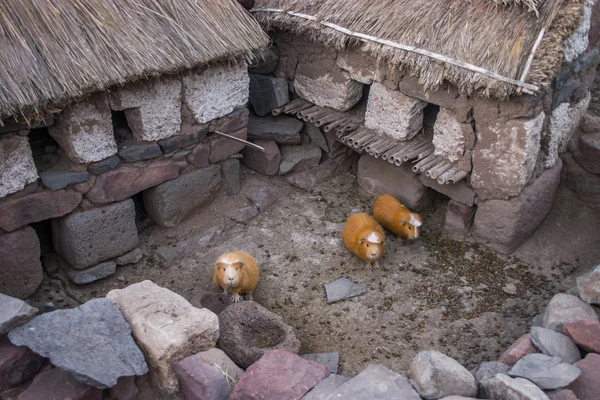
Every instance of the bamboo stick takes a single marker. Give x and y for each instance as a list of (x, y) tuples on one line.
[(240, 140), (442, 163), (331, 126), (441, 170), (429, 165), (396, 148), (442, 178), (362, 141), (383, 148), (314, 116), (308, 110), (457, 177), (415, 152), (350, 138), (426, 152), (422, 162), (294, 104), (328, 117)]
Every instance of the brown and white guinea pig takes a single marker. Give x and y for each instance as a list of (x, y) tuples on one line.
[(390, 213), (364, 237), (236, 272)]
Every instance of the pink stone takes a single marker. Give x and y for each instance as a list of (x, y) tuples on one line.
[(266, 162), (222, 147), (56, 384), (18, 364), (587, 386), (585, 333), (561, 394), (199, 157), (20, 268), (279, 374), (519, 349)]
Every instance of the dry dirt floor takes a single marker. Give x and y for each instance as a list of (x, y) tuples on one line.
[(432, 293)]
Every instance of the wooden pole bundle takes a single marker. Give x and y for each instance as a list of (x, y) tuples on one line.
[(364, 140), (383, 148), (443, 177), (422, 162), (439, 171), (457, 177), (300, 114), (396, 148), (415, 152), (429, 165), (325, 119)]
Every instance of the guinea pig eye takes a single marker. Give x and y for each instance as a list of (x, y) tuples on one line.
[(410, 228), (367, 244)]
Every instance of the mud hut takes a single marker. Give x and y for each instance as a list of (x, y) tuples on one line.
[(472, 99), (101, 102)]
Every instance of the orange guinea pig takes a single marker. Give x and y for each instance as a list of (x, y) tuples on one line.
[(364, 237), (236, 272), (390, 213)]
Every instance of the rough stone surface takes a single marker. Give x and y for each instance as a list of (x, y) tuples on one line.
[(199, 381), (565, 308), (86, 238), (122, 183), (578, 42), (503, 387), (92, 274), (215, 91), (586, 386), (14, 312), (486, 371), (376, 382), (458, 191), (545, 371), (564, 121), (132, 151), (170, 202), (56, 180), (166, 327), (200, 155), (586, 334), (55, 384), (392, 113), (342, 289), (174, 253), (326, 170), (263, 197), (329, 360), (17, 168), (20, 211), (92, 342), (84, 131), (177, 142), (264, 61), (361, 67), (561, 394), (18, 364), (325, 388), (299, 158), (282, 129), (20, 270), (436, 375), (104, 166), (249, 330), (555, 344), (295, 377), (588, 286), (378, 177), (336, 148), (447, 96), (518, 350), (459, 219), (588, 155), (230, 174), (152, 107), (266, 162), (267, 93), (243, 215), (504, 156), (449, 135), (222, 147), (316, 136), (134, 256), (125, 389), (217, 358), (503, 225)]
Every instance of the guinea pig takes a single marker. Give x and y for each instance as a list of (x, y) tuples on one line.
[(236, 272), (364, 237), (390, 213)]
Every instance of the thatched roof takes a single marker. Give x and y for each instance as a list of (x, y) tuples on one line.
[(54, 51), (495, 35)]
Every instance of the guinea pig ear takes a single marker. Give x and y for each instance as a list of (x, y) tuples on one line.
[(362, 240), (403, 222), (241, 265)]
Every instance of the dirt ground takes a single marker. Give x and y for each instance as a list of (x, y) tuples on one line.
[(432, 293)]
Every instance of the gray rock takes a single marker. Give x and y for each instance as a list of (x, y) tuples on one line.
[(170, 202), (92, 342), (86, 238), (264, 61), (125, 389), (262, 196), (545, 371), (325, 388), (243, 214), (199, 381), (134, 256), (180, 154), (217, 358), (342, 289), (459, 191), (104, 165), (14, 312), (436, 375), (564, 308), (329, 360), (503, 387), (562, 394), (282, 129), (589, 152), (171, 144), (230, 174), (265, 162), (538, 320), (589, 286), (92, 274), (267, 93), (181, 250), (132, 151), (316, 136), (299, 158), (248, 331), (555, 344), (55, 179), (376, 382), (326, 170), (486, 371)]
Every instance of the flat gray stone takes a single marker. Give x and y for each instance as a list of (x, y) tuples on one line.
[(329, 360), (262, 196), (589, 286), (230, 174), (555, 344), (243, 214), (132, 151), (55, 179), (316, 136), (267, 93), (342, 289), (180, 141), (181, 250), (104, 166), (486, 371), (376, 382), (503, 387), (299, 158), (92, 342), (564, 308), (282, 129), (325, 388), (264, 61), (14, 312), (132, 257), (92, 274), (545, 371)]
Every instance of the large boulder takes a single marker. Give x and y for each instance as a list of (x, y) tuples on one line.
[(21, 270), (92, 342), (200, 381), (166, 327)]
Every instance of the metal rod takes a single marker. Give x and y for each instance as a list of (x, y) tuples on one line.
[(240, 140), (457, 177)]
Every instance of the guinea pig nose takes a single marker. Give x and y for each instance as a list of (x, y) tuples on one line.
[(231, 279)]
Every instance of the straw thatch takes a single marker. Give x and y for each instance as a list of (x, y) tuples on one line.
[(483, 33), (54, 51)]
